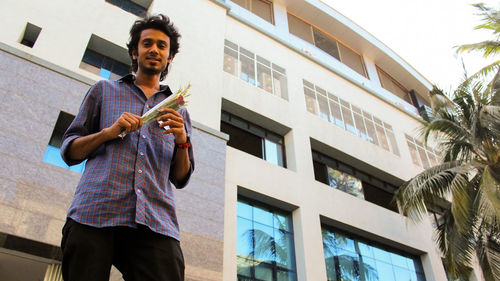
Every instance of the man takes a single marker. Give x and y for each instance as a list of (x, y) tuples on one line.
[(123, 212)]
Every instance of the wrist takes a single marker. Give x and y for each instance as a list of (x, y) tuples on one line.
[(184, 145)]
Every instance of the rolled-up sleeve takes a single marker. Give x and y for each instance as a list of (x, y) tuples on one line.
[(189, 129), (85, 123)]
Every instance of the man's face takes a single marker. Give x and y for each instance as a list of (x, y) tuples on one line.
[(152, 52)]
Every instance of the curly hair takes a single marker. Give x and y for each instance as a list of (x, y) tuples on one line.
[(159, 22)]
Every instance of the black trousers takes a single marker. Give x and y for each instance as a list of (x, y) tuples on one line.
[(139, 254)]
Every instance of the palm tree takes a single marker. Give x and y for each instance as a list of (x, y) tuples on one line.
[(466, 127), (489, 48)]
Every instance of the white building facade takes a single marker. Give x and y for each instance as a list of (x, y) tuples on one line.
[(305, 125)]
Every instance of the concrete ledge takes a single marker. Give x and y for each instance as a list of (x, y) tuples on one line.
[(41, 62), (210, 131)]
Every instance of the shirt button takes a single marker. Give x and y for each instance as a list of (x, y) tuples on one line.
[(138, 191), (141, 154), (140, 171), (143, 136)]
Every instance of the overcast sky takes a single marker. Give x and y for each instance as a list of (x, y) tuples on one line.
[(423, 33)]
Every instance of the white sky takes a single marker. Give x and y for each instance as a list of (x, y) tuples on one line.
[(423, 32)]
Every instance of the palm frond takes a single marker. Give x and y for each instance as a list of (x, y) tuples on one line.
[(489, 118), (488, 48), (488, 252), (495, 89), (429, 188), (457, 248), (484, 72), (489, 197)]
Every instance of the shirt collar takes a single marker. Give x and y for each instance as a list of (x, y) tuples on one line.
[(130, 78)]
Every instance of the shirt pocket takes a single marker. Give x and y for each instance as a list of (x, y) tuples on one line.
[(164, 140)]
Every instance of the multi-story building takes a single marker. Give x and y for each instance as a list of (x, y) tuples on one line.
[(304, 126)]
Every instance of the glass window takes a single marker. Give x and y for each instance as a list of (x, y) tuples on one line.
[(423, 156), (336, 113), (393, 86), (310, 100), (273, 152), (280, 84), (413, 152), (247, 71), (345, 182), (105, 59), (300, 28), (265, 244), (349, 117), (351, 59), (324, 111), (264, 75), (253, 139), (391, 138), (261, 8), (366, 261), (132, 6), (348, 120), (382, 137), (326, 43), (230, 61), (255, 69), (360, 124), (52, 153)]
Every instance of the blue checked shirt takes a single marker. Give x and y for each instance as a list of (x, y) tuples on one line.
[(126, 181)]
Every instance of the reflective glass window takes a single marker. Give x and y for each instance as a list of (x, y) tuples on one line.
[(326, 43), (265, 244), (350, 258), (345, 182), (52, 153), (273, 152)]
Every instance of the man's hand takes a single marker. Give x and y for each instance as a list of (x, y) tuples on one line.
[(175, 122), (127, 123)]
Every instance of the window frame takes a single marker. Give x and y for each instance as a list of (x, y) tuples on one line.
[(265, 134), (274, 211), (52, 153), (121, 5), (257, 61), (249, 7), (417, 261), (380, 72), (324, 32), (319, 158), (346, 109), (432, 157)]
